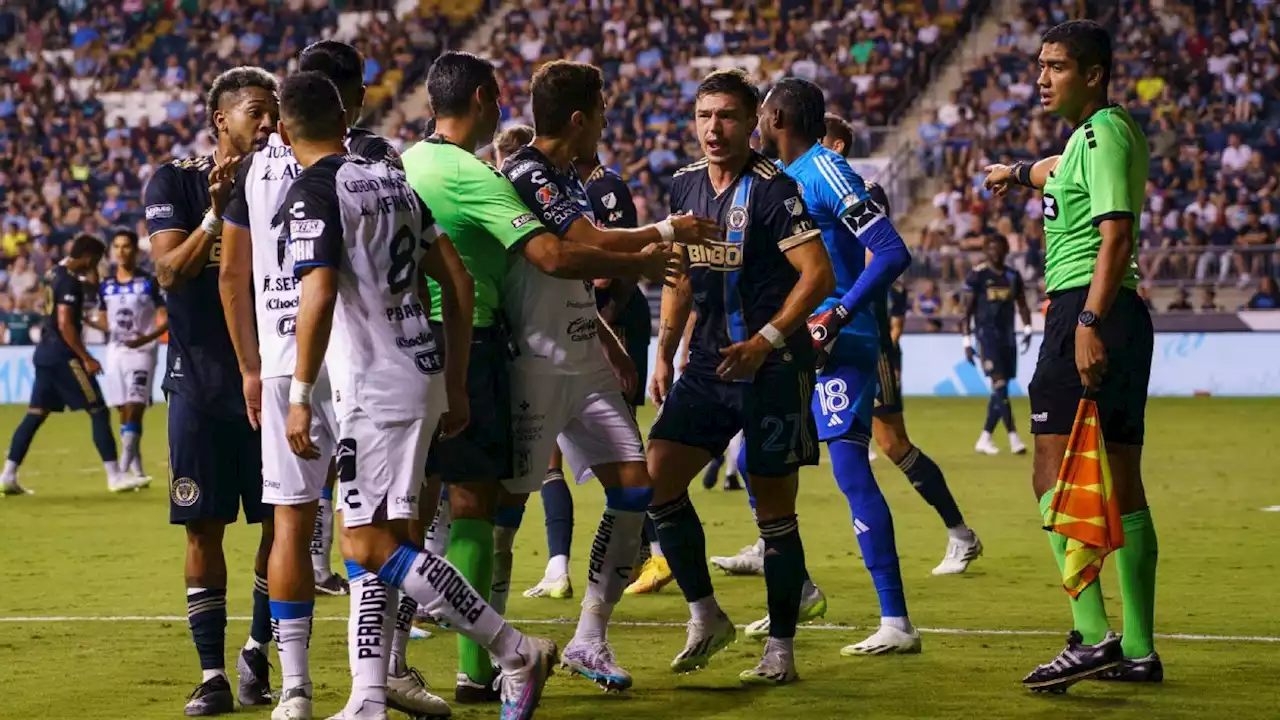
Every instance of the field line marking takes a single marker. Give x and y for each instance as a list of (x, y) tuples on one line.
[(826, 627)]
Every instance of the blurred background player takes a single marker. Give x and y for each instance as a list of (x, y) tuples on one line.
[(750, 368), (131, 312), (65, 370), (994, 290), (215, 454)]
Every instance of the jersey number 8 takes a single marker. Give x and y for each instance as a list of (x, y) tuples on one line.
[(400, 274)]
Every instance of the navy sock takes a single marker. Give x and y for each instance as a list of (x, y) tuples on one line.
[(23, 435), (685, 546), (647, 531), (784, 573), (260, 624), (926, 477), (994, 410), (207, 614), (557, 504), (103, 438), (872, 522), (1006, 409)]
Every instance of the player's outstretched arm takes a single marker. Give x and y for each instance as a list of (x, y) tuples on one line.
[(673, 318), (457, 303), (683, 229), (1032, 175), (571, 260)]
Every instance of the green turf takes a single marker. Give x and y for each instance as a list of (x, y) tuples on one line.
[(74, 550)]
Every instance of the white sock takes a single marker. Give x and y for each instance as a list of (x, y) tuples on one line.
[(960, 532), (437, 539), (10, 468), (655, 549), (128, 447), (369, 631), (252, 644), (613, 553), (136, 465), (405, 611), (705, 610), (322, 539), (208, 675), (985, 437), (593, 621), (898, 623), (731, 455), (557, 567), (1013, 436), (504, 539), (293, 641), (112, 467)]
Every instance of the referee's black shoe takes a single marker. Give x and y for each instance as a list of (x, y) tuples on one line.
[(1075, 663), (1147, 669)]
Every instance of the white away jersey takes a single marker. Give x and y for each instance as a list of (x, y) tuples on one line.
[(362, 219), (130, 308), (264, 178)]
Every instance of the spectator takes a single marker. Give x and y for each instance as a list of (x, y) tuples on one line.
[(1181, 301), (1236, 155), (17, 320), (23, 280), (1267, 297), (1209, 301)]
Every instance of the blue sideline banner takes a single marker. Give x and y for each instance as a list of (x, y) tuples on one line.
[(17, 373)]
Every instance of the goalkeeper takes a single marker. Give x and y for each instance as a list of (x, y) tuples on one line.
[(1097, 339)]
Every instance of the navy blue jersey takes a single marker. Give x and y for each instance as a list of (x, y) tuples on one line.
[(614, 208), (62, 287), (739, 285), (995, 292), (202, 365), (892, 305)]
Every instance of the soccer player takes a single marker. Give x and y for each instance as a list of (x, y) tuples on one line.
[(888, 424), (509, 141), (751, 368), (1098, 339), (994, 290), (65, 370), (132, 313), (215, 455), (256, 265), (361, 241)]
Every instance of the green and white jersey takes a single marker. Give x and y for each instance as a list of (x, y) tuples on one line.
[(479, 210), (1101, 175)]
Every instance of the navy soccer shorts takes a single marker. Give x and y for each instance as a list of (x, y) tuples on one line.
[(215, 465)]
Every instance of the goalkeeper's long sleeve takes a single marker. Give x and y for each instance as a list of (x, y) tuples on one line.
[(889, 259)]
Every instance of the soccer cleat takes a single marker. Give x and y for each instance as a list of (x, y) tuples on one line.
[(813, 606), (885, 641), (212, 697), (375, 713), (594, 661), (1144, 669), (522, 689), (986, 446), (641, 563), (126, 482), (254, 671), (732, 482), (9, 486), (417, 633), (871, 455), (655, 575), (712, 473), (748, 561), (335, 584), (469, 692), (560, 588), (1016, 446), (775, 668), (704, 641), (1076, 662), (408, 694), (295, 704), (960, 553)]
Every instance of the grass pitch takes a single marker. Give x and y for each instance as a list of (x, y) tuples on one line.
[(73, 556)]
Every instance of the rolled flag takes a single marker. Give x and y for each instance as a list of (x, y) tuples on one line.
[(1084, 508)]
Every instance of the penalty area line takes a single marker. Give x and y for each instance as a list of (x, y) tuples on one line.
[(823, 627)]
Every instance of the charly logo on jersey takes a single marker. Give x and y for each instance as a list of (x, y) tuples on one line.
[(1050, 207)]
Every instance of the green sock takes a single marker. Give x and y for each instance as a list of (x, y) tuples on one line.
[(471, 551), (1088, 610), (1136, 563)]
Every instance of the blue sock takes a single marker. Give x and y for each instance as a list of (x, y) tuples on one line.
[(1006, 409), (260, 623), (684, 545), (784, 573), (207, 615), (557, 504), (23, 435), (926, 477), (994, 410), (103, 438), (872, 522)]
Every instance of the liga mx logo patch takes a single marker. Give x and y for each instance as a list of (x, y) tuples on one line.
[(184, 492)]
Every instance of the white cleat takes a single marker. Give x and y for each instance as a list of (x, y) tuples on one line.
[(378, 713), (704, 641), (748, 561), (813, 606), (295, 704), (986, 446), (887, 640), (1016, 446), (960, 552), (560, 588), (595, 662), (777, 667), (9, 486), (871, 455), (408, 694), (522, 689), (126, 482)]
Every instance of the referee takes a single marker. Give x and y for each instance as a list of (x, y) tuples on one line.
[(1098, 338)]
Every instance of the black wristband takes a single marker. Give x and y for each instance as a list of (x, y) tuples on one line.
[(1022, 174)]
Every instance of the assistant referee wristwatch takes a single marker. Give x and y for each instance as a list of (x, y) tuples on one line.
[(1088, 319)]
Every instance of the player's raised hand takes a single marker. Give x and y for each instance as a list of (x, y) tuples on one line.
[(999, 178), (253, 398), (657, 262), (458, 416), (221, 179), (660, 383), (742, 360), (297, 429), (694, 230)]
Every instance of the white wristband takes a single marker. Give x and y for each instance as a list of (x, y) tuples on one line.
[(300, 392), (773, 335), (212, 224), (968, 341), (667, 230), (1026, 330)]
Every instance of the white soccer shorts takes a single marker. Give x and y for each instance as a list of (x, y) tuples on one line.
[(286, 478), (382, 464), (129, 376), (586, 415)]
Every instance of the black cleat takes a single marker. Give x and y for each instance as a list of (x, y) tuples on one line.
[(1075, 663), (335, 584), (712, 473), (469, 692), (731, 482), (1147, 669), (255, 678), (212, 697)]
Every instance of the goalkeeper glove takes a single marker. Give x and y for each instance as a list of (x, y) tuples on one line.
[(825, 328)]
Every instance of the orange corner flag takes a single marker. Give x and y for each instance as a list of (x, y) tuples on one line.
[(1084, 509)]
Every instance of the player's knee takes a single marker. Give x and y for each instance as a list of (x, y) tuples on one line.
[(998, 383), (473, 500), (895, 447), (291, 522), (1048, 459), (775, 496)]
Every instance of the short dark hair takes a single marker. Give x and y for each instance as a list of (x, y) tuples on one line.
[(513, 138), (234, 81), (731, 81), (337, 61), (559, 89), (454, 78), (803, 107), (998, 238), (85, 245), (1087, 42), (311, 107), (839, 128), (129, 235)]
